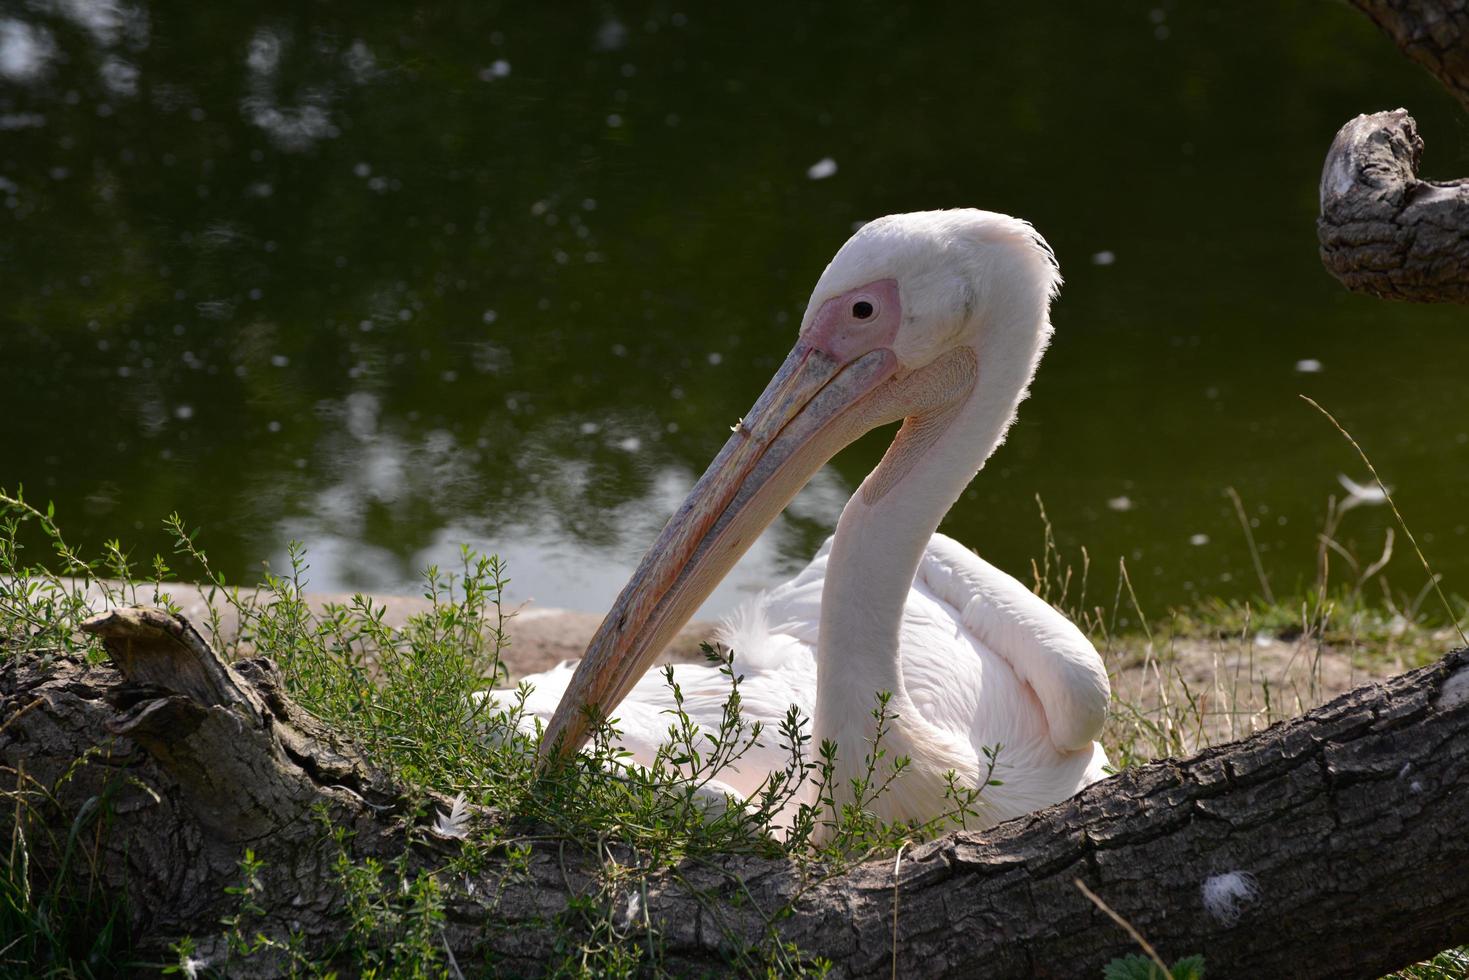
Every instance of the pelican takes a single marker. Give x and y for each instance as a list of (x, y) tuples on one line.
[(937, 319)]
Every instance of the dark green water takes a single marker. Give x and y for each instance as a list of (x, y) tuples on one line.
[(387, 281)]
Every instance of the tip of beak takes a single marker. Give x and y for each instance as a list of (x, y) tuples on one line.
[(552, 751), (550, 755), (566, 733)]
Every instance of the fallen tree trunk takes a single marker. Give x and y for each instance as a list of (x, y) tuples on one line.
[(1336, 844)]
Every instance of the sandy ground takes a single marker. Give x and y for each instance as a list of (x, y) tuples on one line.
[(1210, 691), (1200, 690), (539, 636)]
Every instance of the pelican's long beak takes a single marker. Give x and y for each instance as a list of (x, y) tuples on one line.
[(815, 405)]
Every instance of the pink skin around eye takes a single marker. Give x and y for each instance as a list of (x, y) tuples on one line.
[(837, 331)]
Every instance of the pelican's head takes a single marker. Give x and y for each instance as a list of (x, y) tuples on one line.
[(914, 313), (922, 284)]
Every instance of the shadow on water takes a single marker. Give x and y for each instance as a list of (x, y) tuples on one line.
[(388, 280)]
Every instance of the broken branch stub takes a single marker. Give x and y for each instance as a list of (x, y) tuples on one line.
[(247, 759), (1382, 230), (151, 646)]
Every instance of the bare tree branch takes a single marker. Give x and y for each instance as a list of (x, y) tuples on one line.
[(1434, 33), (1333, 845)]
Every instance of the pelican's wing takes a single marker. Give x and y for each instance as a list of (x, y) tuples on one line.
[(1042, 647), (791, 609)]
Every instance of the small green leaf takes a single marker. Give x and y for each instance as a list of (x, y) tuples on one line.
[(1189, 968), (1139, 967), (1132, 967)]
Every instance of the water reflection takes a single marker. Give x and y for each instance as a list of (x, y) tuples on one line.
[(389, 282), (569, 554), (24, 50), (298, 127)]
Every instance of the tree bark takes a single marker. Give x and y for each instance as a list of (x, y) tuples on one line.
[(1383, 231), (1347, 831), (1434, 33)]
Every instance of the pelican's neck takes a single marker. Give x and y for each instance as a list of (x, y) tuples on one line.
[(883, 531)]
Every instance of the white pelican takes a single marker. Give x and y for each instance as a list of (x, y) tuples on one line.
[(939, 319)]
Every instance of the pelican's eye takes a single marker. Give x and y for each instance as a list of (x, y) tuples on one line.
[(862, 310)]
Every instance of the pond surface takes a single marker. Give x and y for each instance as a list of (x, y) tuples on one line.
[(390, 281)]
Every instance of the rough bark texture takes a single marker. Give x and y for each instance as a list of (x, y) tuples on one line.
[(193, 762), (1382, 230), (1434, 33), (1353, 822)]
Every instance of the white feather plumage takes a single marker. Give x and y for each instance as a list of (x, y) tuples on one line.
[(983, 693)]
